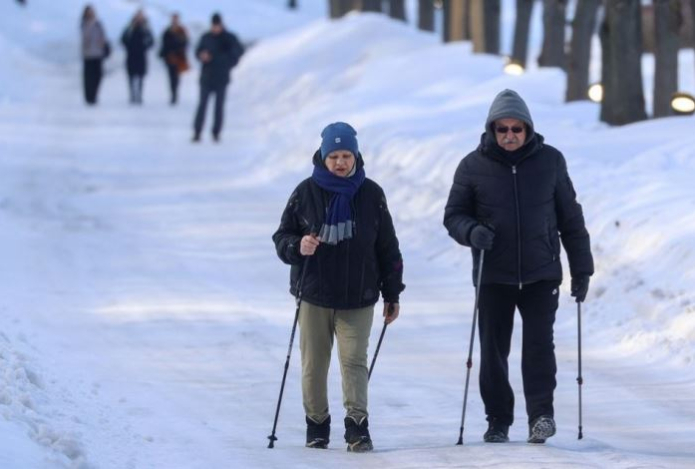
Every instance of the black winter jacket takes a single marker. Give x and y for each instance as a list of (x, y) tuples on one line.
[(351, 274), (529, 202), (137, 39), (226, 50), (174, 44)]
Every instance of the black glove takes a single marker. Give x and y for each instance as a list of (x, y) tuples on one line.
[(580, 287), (482, 237)]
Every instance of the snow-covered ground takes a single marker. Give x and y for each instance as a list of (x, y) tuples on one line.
[(144, 316)]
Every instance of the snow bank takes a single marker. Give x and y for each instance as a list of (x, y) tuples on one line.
[(26, 405)]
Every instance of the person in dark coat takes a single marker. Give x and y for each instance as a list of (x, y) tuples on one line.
[(173, 52), (338, 227), (513, 198), (95, 48), (219, 51), (137, 39)]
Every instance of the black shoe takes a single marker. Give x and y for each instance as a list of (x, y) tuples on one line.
[(196, 138), (496, 432), (318, 434), (216, 137), (357, 435), (541, 429)]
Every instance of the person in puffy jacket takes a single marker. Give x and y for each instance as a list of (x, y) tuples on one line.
[(338, 227), (219, 51), (513, 198), (137, 39), (173, 52)]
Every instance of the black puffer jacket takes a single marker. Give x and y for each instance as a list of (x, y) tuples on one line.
[(350, 274), (528, 199)]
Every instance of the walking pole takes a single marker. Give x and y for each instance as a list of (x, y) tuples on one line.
[(469, 363), (378, 346), (580, 380), (300, 285)]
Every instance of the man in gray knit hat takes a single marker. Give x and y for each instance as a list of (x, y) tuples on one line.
[(513, 198)]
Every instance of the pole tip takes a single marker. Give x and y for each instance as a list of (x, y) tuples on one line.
[(272, 439)]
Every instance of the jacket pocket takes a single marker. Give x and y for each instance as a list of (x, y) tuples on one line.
[(553, 243)]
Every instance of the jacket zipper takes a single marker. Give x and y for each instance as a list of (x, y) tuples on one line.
[(347, 271), (518, 226)]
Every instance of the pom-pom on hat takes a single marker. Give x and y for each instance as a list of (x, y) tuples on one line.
[(338, 136)]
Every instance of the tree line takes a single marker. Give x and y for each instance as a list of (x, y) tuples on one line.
[(625, 29)]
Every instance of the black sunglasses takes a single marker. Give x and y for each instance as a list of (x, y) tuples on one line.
[(504, 130)]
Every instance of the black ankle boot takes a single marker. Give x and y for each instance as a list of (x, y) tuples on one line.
[(357, 435), (317, 434), (496, 432)]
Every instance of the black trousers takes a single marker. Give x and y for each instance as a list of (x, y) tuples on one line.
[(220, 92), (537, 304), (173, 71), (91, 78)]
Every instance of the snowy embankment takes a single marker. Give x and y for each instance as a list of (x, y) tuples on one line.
[(420, 107), (145, 317)]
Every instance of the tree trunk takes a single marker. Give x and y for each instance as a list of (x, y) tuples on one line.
[(425, 18), (623, 95), (335, 8), (456, 19), (485, 26), (446, 13), (397, 9), (583, 28), (554, 22), (692, 13), (372, 5), (524, 8), (339, 8), (667, 24), (467, 20)]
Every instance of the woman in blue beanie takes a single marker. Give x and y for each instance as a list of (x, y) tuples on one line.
[(339, 220)]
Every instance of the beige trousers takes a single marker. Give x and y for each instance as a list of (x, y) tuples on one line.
[(317, 327)]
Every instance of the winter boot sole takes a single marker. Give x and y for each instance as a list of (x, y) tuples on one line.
[(361, 446), (542, 429), (318, 443), (496, 439)]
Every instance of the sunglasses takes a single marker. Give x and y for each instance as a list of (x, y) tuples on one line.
[(504, 130)]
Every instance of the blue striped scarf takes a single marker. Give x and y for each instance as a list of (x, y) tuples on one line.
[(338, 224)]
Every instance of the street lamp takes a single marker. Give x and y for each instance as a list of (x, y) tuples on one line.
[(595, 92), (513, 67), (683, 103)]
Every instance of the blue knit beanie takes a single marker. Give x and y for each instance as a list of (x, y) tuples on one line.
[(338, 136)]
